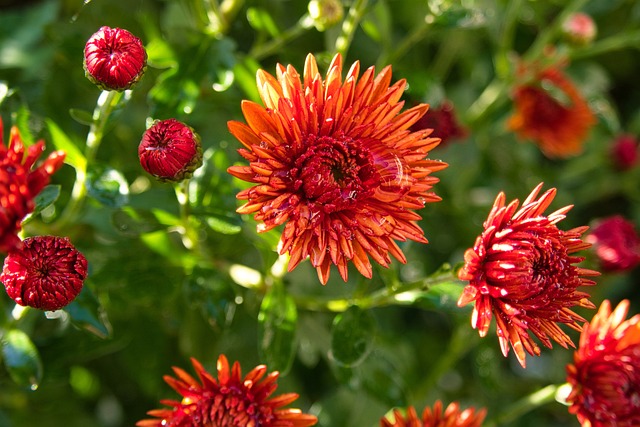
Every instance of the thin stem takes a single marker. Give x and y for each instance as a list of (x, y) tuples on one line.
[(417, 35), (107, 101), (189, 234), (264, 50), (349, 25), (501, 60), (524, 405), (617, 42), (383, 297)]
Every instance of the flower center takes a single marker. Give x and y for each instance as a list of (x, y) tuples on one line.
[(337, 172)]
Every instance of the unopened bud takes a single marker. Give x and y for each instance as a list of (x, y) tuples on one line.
[(325, 13), (579, 29)]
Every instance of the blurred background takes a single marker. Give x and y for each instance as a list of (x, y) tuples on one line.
[(150, 302)]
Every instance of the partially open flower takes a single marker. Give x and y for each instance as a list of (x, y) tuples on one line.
[(625, 151), (616, 243), (521, 270), (114, 59), (451, 417), (20, 184), (46, 273), (605, 374), (230, 401), (335, 162), (170, 150), (559, 122)]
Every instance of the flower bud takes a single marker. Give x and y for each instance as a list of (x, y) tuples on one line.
[(114, 59), (47, 273), (325, 13), (579, 29), (170, 150), (625, 151)]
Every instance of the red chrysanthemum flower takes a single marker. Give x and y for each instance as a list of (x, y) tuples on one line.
[(335, 162), (625, 151), (46, 273), (170, 150), (521, 270), (114, 59), (19, 184), (443, 122), (605, 375), (616, 243), (229, 401), (558, 124), (451, 417)]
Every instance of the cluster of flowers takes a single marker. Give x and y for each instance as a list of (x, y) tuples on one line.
[(337, 163)]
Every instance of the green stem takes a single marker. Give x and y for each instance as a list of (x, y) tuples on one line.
[(349, 25), (107, 101), (407, 43), (617, 42), (501, 60), (524, 405), (189, 234), (383, 297), (264, 50)]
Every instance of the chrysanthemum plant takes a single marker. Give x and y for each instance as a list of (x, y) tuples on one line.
[(314, 204)]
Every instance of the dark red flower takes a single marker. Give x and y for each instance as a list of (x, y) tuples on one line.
[(616, 243), (46, 273), (451, 417), (443, 122), (558, 124), (521, 270), (19, 184), (229, 401), (336, 164), (114, 59), (605, 375), (625, 151), (170, 150)]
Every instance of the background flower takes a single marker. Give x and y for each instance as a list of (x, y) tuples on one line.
[(616, 243), (231, 400), (335, 164), (521, 271), (605, 374), (451, 417), (46, 273)]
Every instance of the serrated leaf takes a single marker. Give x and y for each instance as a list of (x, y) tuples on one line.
[(81, 116), (61, 141), (277, 324), (352, 336), (108, 186), (22, 117), (21, 359), (86, 313)]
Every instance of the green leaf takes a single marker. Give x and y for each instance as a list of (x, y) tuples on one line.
[(206, 290), (277, 324), (81, 116), (224, 224), (160, 54), (132, 222), (22, 117), (108, 186), (87, 313), (61, 141), (260, 20), (21, 359), (352, 336), (47, 196)]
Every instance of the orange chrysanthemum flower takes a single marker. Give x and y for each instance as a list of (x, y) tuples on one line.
[(558, 126), (451, 417), (521, 270), (605, 376), (20, 183), (229, 401), (335, 163)]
